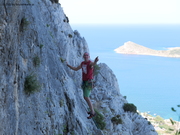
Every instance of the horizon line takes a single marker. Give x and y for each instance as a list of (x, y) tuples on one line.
[(124, 23)]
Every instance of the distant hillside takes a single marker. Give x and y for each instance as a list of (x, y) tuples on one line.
[(133, 48), (162, 126)]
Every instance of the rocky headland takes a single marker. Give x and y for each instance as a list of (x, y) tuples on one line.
[(133, 48)]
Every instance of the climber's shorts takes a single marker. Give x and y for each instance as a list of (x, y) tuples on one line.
[(87, 86)]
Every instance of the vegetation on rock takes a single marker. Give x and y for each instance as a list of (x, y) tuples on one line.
[(177, 130), (117, 120), (162, 126), (130, 107), (99, 120), (24, 24), (36, 61), (31, 84)]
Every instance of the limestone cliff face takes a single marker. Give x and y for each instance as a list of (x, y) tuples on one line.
[(35, 38), (107, 98)]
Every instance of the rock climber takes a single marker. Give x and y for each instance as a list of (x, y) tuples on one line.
[(87, 79)]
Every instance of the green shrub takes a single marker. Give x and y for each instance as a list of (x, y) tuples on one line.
[(41, 46), (31, 84), (174, 122), (65, 130), (177, 132), (70, 36), (36, 61), (54, 1), (117, 120), (62, 60), (66, 19), (130, 107), (99, 120), (61, 102), (170, 129), (24, 24)]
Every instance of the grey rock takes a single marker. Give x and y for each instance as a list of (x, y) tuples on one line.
[(38, 29)]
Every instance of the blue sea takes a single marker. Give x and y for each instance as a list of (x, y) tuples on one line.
[(151, 83)]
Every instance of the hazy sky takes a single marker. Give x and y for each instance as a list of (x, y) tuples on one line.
[(122, 11)]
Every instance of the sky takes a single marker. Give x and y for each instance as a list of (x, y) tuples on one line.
[(122, 11)]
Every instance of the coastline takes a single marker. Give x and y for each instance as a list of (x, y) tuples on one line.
[(161, 125), (133, 48)]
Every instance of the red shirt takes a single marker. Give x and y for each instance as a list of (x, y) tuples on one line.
[(87, 71)]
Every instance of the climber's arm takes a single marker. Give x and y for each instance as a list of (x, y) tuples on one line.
[(74, 68)]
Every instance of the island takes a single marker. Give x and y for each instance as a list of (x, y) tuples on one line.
[(133, 48)]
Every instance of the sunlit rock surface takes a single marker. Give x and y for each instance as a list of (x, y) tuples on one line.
[(39, 31)]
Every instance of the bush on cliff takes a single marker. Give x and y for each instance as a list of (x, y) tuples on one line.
[(36, 61), (99, 120), (130, 107), (31, 84), (117, 120)]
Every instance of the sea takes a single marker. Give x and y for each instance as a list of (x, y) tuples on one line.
[(151, 83)]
